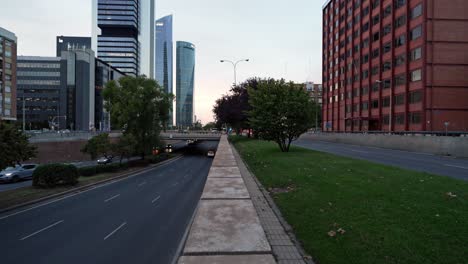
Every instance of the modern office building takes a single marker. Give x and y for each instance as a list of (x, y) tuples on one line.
[(63, 92), (65, 43), (8, 45), (185, 81), (315, 92), (123, 34), (396, 65), (164, 56)]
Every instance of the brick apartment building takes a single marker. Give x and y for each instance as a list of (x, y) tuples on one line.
[(8, 44), (399, 65)]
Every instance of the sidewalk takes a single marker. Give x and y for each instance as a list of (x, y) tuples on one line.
[(235, 222), (226, 227)]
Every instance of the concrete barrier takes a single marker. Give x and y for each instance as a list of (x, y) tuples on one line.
[(454, 146)]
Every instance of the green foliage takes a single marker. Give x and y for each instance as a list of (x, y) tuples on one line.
[(94, 170), (210, 126), (140, 108), (87, 171), (125, 146), (98, 145), (52, 175), (281, 111), (388, 215), (14, 146)]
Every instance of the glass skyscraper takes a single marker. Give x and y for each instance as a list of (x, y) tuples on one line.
[(164, 56), (185, 76), (123, 34)]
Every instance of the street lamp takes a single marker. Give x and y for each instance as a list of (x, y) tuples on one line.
[(234, 64), (391, 107)]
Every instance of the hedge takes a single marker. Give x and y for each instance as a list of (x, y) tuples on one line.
[(94, 170), (52, 175)]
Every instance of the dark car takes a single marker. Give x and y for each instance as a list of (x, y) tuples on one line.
[(17, 173)]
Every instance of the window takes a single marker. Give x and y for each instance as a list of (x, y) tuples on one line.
[(400, 41), (365, 11), (400, 21), (416, 75), (365, 27), (400, 80), (387, 47), (365, 43), (387, 29), (399, 99), (386, 102), (365, 106), (399, 3), (400, 60), (415, 118), (386, 66), (376, 36), (415, 54), (348, 108), (356, 92), (364, 90), (365, 74), (415, 97), (375, 104), (386, 119), (416, 11), (375, 53), (375, 20), (355, 107), (400, 119), (375, 87), (375, 3), (387, 83), (416, 32), (387, 11), (375, 70), (365, 58)]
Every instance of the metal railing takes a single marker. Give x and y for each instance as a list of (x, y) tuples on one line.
[(400, 133)]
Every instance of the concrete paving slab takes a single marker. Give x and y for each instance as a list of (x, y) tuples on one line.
[(224, 172), (225, 188), (243, 259), (224, 163), (230, 226)]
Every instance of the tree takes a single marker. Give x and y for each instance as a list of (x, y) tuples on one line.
[(140, 108), (98, 145), (210, 126), (14, 146), (125, 147), (281, 111)]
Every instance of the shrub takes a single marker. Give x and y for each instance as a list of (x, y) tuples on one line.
[(87, 171), (159, 158), (52, 175), (115, 167), (139, 163)]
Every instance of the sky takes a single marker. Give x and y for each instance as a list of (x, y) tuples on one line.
[(282, 39)]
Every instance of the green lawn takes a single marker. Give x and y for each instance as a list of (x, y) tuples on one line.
[(380, 214)]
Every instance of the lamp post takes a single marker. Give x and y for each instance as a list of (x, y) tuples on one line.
[(391, 107), (234, 64)]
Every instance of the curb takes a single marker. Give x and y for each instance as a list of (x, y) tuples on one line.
[(183, 241), (88, 186), (287, 228)]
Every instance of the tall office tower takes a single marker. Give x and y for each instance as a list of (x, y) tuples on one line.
[(8, 44), (395, 65), (123, 34), (185, 81), (164, 57), (65, 43)]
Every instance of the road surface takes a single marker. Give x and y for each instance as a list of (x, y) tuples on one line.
[(140, 219), (439, 165)]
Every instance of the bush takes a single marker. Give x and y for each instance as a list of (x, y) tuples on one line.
[(52, 175), (94, 170), (159, 158), (88, 171), (139, 163)]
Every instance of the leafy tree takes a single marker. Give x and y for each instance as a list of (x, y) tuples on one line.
[(98, 145), (281, 111), (125, 147), (140, 108), (14, 146), (210, 126)]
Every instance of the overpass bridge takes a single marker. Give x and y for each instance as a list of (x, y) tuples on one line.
[(192, 135)]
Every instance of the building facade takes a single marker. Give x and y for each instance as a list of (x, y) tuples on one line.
[(185, 81), (8, 57), (164, 56), (123, 35), (65, 43), (395, 65)]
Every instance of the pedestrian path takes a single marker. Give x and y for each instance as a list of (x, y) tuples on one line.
[(226, 227)]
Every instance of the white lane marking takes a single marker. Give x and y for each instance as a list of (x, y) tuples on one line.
[(454, 166), (112, 198), (359, 151), (141, 184), (94, 188), (156, 199), (43, 229), (117, 229)]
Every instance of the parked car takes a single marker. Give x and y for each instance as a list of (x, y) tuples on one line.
[(211, 154), (105, 160), (17, 173)]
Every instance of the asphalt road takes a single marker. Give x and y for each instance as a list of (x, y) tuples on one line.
[(439, 165), (28, 182), (140, 219)]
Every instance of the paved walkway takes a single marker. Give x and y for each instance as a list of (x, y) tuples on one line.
[(235, 222)]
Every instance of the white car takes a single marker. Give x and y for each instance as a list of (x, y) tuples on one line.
[(104, 160), (210, 154), (17, 173)]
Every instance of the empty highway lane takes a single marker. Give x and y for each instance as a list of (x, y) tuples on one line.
[(140, 219)]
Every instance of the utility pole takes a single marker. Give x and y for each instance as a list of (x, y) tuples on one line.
[(24, 113)]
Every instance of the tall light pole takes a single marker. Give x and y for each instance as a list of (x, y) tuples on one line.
[(24, 113), (391, 107), (234, 64)]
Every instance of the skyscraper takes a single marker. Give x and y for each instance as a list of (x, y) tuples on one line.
[(65, 43), (164, 56), (7, 75), (123, 34), (185, 76)]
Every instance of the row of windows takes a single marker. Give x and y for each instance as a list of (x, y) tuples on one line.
[(39, 82), (38, 73), (38, 65), (398, 119)]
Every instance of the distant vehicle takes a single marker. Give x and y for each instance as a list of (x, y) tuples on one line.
[(169, 148), (104, 160), (214, 130), (190, 142), (210, 154), (17, 173)]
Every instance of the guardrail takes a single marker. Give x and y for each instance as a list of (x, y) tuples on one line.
[(400, 133)]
